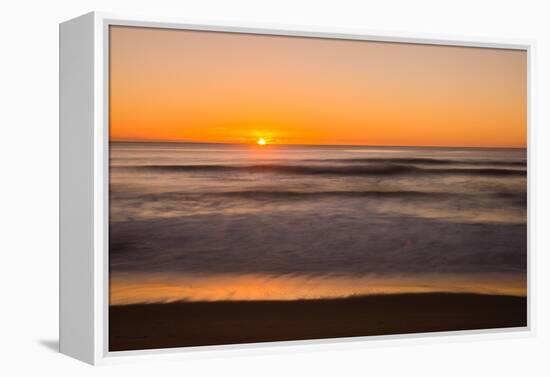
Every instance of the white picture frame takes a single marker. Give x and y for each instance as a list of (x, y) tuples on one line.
[(84, 157)]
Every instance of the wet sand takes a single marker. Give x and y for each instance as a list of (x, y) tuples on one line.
[(150, 326)]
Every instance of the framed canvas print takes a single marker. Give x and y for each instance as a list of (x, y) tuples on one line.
[(224, 187)]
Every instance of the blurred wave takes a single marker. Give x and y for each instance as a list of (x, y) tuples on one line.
[(425, 218), (388, 169)]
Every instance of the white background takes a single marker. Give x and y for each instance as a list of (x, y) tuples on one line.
[(29, 184)]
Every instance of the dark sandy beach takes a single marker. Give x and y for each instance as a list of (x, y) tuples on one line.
[(147, 326)]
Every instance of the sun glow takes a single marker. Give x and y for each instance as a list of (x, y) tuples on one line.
[(262, 141)]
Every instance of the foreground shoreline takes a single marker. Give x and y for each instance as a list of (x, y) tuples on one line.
[(181, 324)]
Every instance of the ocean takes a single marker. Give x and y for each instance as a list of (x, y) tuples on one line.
[(208, 222)]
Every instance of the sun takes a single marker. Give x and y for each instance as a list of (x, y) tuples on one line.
[(262, 141)]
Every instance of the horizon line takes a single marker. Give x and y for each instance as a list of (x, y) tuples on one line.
[(302, 144)]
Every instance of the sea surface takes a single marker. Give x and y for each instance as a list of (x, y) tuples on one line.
[(243, 222)]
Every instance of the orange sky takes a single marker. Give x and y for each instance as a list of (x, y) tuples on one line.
[(225, 87)]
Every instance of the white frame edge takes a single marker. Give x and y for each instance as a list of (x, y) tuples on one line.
[(76, 188), (84, 154)]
